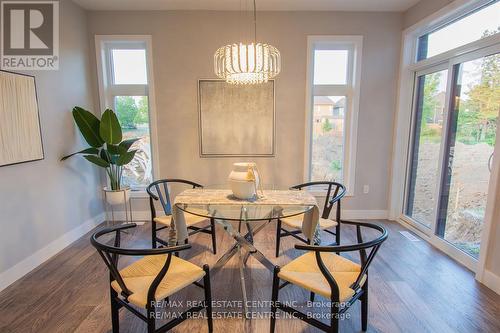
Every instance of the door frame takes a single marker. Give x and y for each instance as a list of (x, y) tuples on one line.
[(430, 232)]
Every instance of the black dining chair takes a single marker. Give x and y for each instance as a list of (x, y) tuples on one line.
[(160, 191), (334, 192), (149, 280), (322, 271)]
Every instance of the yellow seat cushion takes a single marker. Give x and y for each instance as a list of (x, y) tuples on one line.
[(304, 272), (139, 276), (296, 222), (190, 219)]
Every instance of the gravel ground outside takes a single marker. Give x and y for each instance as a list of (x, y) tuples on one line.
[(468, 192)]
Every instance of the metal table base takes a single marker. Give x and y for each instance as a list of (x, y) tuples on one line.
[(245, 248)]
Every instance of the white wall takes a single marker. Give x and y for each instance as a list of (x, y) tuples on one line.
[(41, 202), (489, 266), (183, 46)]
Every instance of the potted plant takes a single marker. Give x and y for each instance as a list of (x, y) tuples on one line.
[(107, 150)]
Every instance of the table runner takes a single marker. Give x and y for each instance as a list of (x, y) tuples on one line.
[(225, 197)]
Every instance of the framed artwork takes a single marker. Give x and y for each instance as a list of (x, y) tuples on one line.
[(20, 132), (236, 120)]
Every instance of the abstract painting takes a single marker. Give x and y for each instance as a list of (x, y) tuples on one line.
[(236, 120), (20, 136)]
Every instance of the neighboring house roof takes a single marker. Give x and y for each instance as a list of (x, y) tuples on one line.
[(325, 100)]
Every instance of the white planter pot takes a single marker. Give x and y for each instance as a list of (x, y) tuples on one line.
[(117, 197), (243, 180)]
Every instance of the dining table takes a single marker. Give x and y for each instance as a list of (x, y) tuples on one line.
[(242, 219)]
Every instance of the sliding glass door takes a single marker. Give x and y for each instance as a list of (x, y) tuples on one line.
[(446, 162), (455, 111), (475, 105), (426, 141)]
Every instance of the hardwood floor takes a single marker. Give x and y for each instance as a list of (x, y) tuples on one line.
[(413, 288)]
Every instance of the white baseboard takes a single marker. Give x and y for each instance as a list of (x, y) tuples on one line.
[(491, 281), (365, 214), (137, 216), (28, 264)]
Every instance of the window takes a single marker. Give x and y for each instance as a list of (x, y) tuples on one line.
[(330, 66), (449, 108), (481, 23), (125, 88), (123, 72), (333, 94)]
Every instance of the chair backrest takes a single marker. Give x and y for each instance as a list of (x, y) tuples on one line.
[(110, 255), (335, 192), (160, 190), (361, 246)]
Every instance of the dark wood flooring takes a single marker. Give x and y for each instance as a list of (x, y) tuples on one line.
[(413, 288)]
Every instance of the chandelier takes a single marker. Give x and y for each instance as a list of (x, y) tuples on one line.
[(247, 63)]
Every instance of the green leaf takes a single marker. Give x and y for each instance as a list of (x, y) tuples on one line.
[(128, 143), (105, 155), (110, 129), (116, 150), (97, 161), (125, 159), (93, 151), (88, 124)]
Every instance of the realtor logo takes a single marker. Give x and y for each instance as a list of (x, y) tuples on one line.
[(29, 35)]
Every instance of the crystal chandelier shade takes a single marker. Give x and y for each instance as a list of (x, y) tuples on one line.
[(243, 63), (247, 63)]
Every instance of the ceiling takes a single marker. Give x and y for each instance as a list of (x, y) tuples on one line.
[(294, 5)]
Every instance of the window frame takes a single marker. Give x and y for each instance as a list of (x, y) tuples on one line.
[(351, 90), (108, 90), (437, 68), (410, 67)]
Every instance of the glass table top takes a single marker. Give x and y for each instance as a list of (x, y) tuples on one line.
[(244, 212), (225, 207)]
